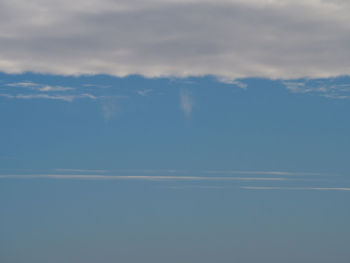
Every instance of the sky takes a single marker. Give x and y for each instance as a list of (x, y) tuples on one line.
[(168, 131)]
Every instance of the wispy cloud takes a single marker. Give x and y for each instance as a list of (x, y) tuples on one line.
[(277, 173), (81, 170), (38, 86), (232, 81), (144, 92), (296, 188), (68, 98), (205, 173), (206, 179), (23, 84), (204, 187), (30, 90), (137, 177), (325, 88), (231, 172), (186, 102), (89, 85), (109, 108), (48, 88)]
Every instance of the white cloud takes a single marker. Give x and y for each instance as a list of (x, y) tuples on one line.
[(227, 38), (186, 102)]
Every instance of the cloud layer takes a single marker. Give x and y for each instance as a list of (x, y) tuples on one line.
[(228, 38)]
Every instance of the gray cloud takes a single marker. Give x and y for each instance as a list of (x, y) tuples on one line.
[(231, 38)]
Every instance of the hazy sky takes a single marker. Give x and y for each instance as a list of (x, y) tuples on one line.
[(174, 131)]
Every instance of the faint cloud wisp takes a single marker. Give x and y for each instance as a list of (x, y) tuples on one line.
[(109, 108), (186, 103)]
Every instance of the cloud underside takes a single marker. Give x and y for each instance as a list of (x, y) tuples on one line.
[(229, 38)]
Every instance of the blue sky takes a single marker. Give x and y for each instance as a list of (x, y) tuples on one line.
[(166, 169), (174, 131)]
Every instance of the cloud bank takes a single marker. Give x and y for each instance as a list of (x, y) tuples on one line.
[(229, 38)]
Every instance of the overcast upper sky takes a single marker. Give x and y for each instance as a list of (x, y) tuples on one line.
[(231, 38)]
